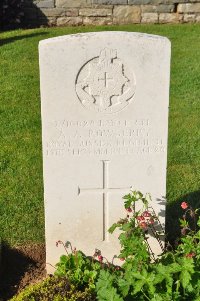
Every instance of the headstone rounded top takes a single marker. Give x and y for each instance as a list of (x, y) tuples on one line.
[(87, 35)]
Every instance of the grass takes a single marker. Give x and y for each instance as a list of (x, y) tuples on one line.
[(21, 183)]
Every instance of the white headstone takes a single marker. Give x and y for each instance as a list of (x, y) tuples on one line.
[(104, 122)]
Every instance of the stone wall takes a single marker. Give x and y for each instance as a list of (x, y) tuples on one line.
[(107, 12)]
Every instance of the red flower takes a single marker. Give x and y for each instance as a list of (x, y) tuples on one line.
[(143, 225), (140, 218), (184, 205), (146, 214), (100, 258), (190, 255), (129, 209)]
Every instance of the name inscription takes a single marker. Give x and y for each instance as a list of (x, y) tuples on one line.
[(103, 137)]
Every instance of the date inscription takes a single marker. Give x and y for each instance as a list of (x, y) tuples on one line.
[(102, 137)]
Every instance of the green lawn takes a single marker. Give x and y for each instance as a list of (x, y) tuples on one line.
[(21, 188)]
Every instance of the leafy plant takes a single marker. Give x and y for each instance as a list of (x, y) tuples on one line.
[(174, 275), (79, 269), (55, 289)]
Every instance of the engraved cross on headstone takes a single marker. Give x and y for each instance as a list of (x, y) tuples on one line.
[(105, 190), (106, 79)]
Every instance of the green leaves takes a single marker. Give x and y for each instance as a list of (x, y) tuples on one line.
[(105, 287), (113, 227), (198, 222), (123, 286), (79, 269), (173, 276), (187, 269)]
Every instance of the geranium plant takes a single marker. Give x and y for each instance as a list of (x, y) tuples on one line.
[(174, 275)]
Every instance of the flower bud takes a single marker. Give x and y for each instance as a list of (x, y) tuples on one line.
[(100, 258), (184, 205), (129, 209), (146, 214)]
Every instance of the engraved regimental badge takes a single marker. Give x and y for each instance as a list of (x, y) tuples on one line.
[(104, 84)]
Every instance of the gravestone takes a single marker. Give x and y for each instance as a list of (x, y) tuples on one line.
[(104, 130)]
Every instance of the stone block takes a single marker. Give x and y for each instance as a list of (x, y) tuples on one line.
[(149, 18), (189, 18), (69, 21), (72, 12), (198, 18), (53, 12), (170, 18), (97, 21), (189, 8), (45, 3), (155, 2), (73, 3), (115, 2), (107, 6), (51, 21), (95, 12), (143, 2), (161, 8), (126, 14)]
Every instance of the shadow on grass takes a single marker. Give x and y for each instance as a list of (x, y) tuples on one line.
[(174, 212), (20, 37), (19, 268), (18, 14)]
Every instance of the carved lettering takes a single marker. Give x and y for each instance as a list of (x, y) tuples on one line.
[(103, 137)]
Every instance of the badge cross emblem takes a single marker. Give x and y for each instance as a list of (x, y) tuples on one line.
[(104, 84)]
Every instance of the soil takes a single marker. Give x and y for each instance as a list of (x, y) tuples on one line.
[(20, 266)]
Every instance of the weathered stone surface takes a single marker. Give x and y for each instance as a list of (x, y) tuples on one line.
[(189, 8), (73, 3), (155, 2), (72, 21), (143, 2), (97, 20), (126, 14), (121, 11), (72, 12), (149, 18), (198, 18), (110, 2), (45, 3), (53, 12), (51, 21), (161, 8), (95, 12), (99, 140), (170, 18), (187, 18), (102, 6)]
